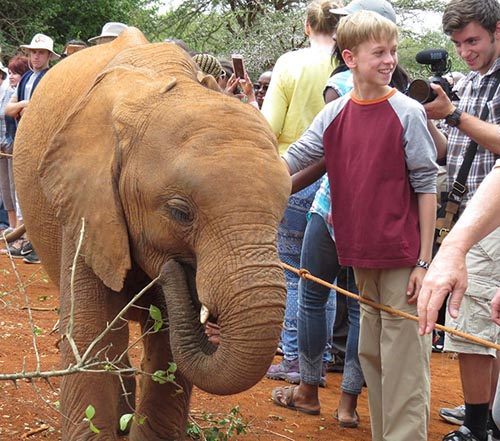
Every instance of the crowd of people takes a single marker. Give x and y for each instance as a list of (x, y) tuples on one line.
[(389, 242), (363, 157)]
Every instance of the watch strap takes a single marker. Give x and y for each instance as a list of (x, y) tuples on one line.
[(422, 264)]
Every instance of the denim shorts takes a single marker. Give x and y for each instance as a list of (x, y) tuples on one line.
[(474, 317)]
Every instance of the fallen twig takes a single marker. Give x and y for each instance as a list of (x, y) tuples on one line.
[(42, 428)]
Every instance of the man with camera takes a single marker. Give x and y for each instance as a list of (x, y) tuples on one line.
[(474, 28)]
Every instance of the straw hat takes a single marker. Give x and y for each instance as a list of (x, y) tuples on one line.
[(41, 41), (111, 29)]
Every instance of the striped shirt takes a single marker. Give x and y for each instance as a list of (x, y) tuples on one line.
[(473, 92)]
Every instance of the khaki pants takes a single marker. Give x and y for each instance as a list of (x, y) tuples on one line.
[(394, 358)]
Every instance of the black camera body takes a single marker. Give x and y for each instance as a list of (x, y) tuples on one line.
[(438, 63)]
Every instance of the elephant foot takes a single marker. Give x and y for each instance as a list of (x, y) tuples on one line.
[(142, 432)]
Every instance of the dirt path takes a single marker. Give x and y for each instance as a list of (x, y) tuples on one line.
[(24, 408)]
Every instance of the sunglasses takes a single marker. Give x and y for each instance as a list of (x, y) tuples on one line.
[(258, 86)]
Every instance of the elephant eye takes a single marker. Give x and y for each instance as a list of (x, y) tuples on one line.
[(180, 211)]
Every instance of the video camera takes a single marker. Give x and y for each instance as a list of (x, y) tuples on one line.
[(438, 64)]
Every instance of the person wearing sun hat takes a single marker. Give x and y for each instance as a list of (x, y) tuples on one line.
[(109, 32), (40, 51), (41, 42)]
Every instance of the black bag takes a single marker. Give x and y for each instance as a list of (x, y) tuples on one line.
[(445, 220)]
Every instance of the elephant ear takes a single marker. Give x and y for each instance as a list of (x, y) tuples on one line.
[(208, 81), (80, 170)]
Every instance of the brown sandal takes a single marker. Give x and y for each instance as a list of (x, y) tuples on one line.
[(286, 400), (349, 424)]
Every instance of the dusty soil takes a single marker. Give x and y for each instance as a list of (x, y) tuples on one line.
[(27, 409)]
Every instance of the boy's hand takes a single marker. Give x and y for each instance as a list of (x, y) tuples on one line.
[(414, 284)]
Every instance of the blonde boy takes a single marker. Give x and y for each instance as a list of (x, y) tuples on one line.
[(380, 160)]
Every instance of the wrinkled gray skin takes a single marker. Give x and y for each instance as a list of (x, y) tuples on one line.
[(172, 178)]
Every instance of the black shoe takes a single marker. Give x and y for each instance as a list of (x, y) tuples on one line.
[(19, 252), (31, 257), (462, 434), (336, 364)]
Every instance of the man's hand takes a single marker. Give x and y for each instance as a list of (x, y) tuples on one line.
[(495, 308), (441, 106), (446, 275)]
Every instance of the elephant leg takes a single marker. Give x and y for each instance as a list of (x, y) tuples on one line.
[(94, 306), (164, 406)]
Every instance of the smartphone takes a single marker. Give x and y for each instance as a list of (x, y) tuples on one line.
[(238, 66)]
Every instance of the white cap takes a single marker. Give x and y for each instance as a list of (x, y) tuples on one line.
[(41, 41), (111, 29), (382, 7)]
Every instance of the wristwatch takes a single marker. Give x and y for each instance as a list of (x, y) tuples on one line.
[(453, 119), (423, 264)]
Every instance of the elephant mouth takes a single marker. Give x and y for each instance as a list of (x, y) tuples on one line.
[(207, 319)]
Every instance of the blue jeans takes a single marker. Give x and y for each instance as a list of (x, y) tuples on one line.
[(315, 316), (290, 238), (352, 379), (319, 255)]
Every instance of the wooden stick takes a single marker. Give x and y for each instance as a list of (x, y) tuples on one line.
[(35, 431), (304, 274)]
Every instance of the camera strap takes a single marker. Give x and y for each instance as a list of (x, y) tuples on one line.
[(459, 188)]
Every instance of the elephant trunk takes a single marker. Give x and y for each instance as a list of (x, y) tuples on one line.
[(250, 329)]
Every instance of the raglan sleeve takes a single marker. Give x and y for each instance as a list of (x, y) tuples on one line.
[(309, 148), (420, 150)]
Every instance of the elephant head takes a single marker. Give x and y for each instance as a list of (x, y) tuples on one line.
[(174, 178)]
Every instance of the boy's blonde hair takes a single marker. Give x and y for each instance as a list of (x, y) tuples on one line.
[(363, 26)]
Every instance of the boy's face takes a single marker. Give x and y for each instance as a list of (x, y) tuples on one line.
[(374, 61), (39, 58), (476, 46)]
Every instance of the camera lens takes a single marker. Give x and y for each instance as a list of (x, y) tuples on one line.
[(421, 91)]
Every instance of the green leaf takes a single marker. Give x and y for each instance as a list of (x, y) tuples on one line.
[(155, 313), (90, 412), (125, 420), (159, 377)]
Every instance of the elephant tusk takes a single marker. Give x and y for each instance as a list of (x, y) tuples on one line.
[(204, 314)]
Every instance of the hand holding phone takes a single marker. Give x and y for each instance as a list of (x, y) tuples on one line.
[(238, 66)]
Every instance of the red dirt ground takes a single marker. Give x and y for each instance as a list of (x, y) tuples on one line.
[(24, 408)]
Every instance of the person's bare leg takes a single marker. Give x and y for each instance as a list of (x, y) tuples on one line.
[(475, 372), (494, 378), (12, 218), (347, 407)]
